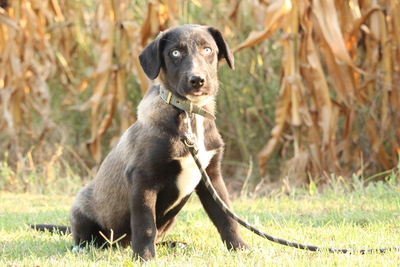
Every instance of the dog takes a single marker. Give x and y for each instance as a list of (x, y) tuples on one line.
[(149, 174)]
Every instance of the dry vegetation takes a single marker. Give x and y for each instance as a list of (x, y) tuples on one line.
[(330, 70), (341, 58)]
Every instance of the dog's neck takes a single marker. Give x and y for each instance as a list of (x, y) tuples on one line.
[(184, 104)]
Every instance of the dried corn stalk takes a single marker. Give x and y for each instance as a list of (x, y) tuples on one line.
[(120, 44), (322, 114), (37, 40), (26, 62)]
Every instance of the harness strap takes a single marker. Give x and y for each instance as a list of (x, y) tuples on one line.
[(184, 104)]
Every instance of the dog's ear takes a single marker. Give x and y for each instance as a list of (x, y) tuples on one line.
[(151, 56), (224, 50)]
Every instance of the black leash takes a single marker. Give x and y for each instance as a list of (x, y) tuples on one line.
[(190, 141)]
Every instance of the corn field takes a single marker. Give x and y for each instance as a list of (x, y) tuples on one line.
[(316, 90)]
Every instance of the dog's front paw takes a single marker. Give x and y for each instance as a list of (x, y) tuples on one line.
[(77, 249), (237, 245)]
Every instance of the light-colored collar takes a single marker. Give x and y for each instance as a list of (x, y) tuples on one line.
[(185, 105)]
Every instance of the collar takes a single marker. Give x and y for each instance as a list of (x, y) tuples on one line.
[(185, 105)]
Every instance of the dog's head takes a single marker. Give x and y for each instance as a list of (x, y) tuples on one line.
[(185, 60)]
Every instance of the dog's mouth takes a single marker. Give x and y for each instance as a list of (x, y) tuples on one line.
[(199, 93), (199, 97)]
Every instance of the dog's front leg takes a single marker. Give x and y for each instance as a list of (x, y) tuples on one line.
[(227, 227), (143, 222)]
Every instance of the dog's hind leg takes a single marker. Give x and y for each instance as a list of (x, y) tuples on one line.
[(86, 231)]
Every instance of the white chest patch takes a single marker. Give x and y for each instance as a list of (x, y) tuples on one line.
[(190, 175)]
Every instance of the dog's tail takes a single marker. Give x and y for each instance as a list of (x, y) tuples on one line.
[(58, 229)]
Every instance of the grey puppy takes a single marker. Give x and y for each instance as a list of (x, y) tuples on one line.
[(149, 175)]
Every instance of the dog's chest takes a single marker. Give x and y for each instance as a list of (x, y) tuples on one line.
[(189, 177)]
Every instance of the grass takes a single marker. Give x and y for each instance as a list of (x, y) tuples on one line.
[(340, 217)]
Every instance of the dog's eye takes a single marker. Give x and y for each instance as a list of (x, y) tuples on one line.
[(207, 50), (176, 53)]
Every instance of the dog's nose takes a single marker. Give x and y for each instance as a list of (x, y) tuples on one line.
[(197, 81)]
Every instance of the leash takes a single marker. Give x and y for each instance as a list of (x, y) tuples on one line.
[(189, 139)]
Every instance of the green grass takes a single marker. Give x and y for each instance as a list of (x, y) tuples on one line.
[(340, 217)]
